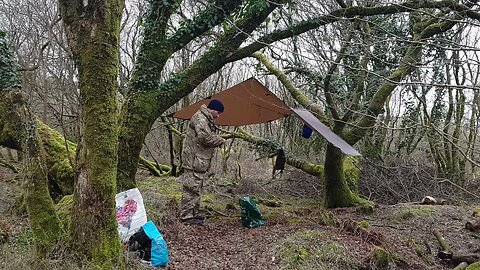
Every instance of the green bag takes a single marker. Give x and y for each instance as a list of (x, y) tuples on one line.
[(251, 216)]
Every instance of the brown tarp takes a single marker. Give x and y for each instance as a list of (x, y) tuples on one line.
[(314, 123), (250, 102), (246, 103)]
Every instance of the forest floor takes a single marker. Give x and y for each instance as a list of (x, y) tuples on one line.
[(298, 233)]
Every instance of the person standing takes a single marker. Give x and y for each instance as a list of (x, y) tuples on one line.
[(198, 149)]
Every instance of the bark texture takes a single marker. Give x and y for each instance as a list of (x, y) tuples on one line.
[(93, 29), (40, 207)]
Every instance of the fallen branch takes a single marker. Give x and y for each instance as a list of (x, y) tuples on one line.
[(216, 211), (270, 203), (155, 169), (441, 241)]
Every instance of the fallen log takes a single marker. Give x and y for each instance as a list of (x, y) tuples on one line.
[(473, 225), (453, 257), (466, 257), (459, 257)]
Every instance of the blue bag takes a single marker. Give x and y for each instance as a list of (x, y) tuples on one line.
[(306, 131), (159, 251)]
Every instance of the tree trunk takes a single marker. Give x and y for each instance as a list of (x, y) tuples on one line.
[(43, 218), (337, 191), (16, 120), (93, 29), (40, 208)]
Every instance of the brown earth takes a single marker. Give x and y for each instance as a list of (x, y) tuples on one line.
[(297, 235)]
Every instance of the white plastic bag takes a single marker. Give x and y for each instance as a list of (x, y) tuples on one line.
[(131, 213)]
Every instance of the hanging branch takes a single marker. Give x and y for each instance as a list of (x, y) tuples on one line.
[(301, 98), (272, 146)]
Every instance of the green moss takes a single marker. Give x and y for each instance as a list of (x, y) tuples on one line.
[(352, 173), (412, 212), (42, 217), (420, 252), (64, 212), (313, 249), (332, 251), (296, 255), (363, 224), (476, 212), (328, 218), (278, 216), (106, 254), (166, 187), (208, 198), (380, 257), (59, 154), (473, 266), (297, 251), (137, 117), (367, 208)]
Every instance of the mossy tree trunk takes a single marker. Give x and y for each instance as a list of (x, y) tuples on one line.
[(93, 30), (18, 128), (40, 208), (336, 192)]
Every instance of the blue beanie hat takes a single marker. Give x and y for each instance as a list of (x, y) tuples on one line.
[(216, 105)]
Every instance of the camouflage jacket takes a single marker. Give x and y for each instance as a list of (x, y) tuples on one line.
[(200, 141)]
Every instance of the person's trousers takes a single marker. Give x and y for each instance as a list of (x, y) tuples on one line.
[(192, 192)]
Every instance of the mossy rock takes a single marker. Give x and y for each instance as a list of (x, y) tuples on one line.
[(476, 212)]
